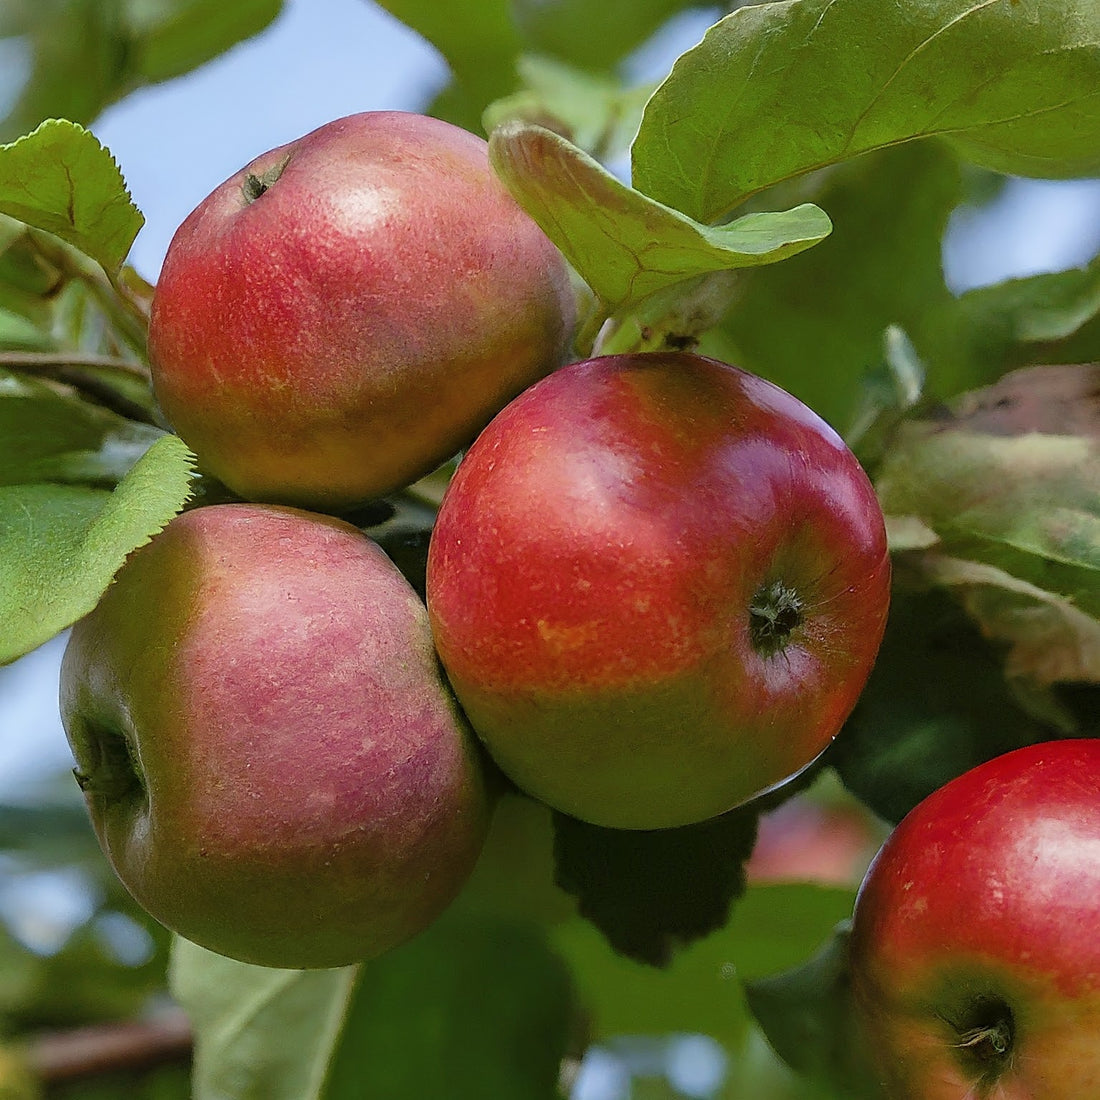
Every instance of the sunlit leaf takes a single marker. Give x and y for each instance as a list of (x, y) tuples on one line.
[(1011, 476), (1049, 638), (777, 89), (624, 245), (60, 545), (61, 179)]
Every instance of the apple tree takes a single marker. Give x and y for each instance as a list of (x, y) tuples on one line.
[(776, 201)]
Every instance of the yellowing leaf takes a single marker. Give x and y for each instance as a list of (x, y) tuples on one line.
[(1050, 640)]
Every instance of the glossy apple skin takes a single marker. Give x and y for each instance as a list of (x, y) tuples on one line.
[(309, 795), (591, 574), (359, 321), (985, 903)]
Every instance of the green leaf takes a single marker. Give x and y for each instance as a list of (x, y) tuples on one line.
[(28, 282), (259, 1032), (514, 876), (1051, 318), (755, 1070), (1050, 640), (81, 983), (49, 832), (807, 1015), (61, 545), (468, 1009), (625, 246), (47, 436), (650, 892), (479, 41), (171, 37), (814, 324), (936, 704), (888, 394), (11, 231), (61, 179), (779, 89), (772, 927), (74, 53), (19, 333), (83, 55), (593, 36)]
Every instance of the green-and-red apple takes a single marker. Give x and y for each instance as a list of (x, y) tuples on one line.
[(272, 761), (975, 952), (348, 311), (658, 584)]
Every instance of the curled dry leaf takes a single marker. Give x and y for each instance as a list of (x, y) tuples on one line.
[(1051, 641)]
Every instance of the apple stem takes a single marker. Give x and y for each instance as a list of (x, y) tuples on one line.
[(776, 611)]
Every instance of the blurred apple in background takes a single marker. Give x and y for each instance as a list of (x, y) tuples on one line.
[(809, 839)]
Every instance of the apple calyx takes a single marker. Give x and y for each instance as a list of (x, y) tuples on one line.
[(254, 186), (985, 1037), (774, 614), (113, 773)]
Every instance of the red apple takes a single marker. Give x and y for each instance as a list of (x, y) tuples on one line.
[(975, 952), (271, 760), (657, 584), (348, 310)]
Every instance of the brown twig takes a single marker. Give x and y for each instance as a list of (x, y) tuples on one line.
[(127, 1046), (46, 362)]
